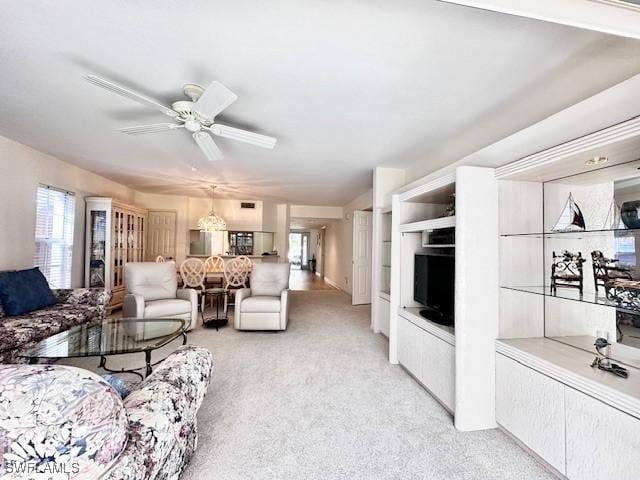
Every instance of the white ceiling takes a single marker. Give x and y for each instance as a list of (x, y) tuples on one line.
[(344, 86)]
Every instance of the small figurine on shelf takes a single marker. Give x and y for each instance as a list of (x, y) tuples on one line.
[(450, 211), (571, 218), (602, 360), (566, 271)]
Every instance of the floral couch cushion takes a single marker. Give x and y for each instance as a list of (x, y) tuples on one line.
[(74, 307), (59, 419), (162, 415), (55, 415)]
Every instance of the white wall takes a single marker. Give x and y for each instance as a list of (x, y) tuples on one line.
[(22, 168), (283, 223), (339, 244), (316, 211)]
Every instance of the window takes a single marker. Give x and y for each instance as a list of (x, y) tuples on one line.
[(55, 212), (241, 243)]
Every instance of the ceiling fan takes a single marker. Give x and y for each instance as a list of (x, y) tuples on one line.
[(195, 115)]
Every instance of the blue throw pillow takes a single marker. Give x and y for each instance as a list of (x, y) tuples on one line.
[(24, 291), (118, 384)]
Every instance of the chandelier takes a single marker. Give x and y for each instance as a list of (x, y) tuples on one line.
[(212, 222)]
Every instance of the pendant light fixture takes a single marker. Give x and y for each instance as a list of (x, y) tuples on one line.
[(212, 222)]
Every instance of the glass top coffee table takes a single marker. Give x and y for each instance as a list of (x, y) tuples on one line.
[(110, 337)]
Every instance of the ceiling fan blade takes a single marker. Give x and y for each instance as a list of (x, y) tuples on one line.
[(243, 136), (153, 128), (208, 146), (215, 99), (130, 94)]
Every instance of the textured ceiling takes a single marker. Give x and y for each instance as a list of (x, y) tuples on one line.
[(344, 86)]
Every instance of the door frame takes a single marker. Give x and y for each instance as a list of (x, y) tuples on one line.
[(302, 234)]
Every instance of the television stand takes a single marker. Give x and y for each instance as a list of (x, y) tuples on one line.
[(436, 317)]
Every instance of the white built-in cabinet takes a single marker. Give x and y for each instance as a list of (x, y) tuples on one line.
[(531, 407), (573, 417), (602, 442), (428, 352), (455, 364)]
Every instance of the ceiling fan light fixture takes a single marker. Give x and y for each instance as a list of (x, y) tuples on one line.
[(193, 115), (212, 222)]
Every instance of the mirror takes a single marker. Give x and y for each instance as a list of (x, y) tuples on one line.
[(230, 243), (591, 229)]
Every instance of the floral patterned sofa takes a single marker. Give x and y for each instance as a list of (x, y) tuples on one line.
[(75, 306), (64, 419)]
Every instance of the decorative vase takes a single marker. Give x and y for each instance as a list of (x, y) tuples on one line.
[(629, 214)]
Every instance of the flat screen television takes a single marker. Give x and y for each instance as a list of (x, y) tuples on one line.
[(434, 286)]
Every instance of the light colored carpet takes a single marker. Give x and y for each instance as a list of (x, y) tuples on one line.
[(321, 401)]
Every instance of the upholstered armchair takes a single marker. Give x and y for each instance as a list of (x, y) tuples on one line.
[(264, 306), (151, 291)]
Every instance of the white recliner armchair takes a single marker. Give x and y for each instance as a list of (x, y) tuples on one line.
[(151, 291), (264, 306)]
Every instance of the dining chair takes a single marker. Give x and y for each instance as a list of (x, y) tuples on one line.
[(236, 274), (192, 272), (247, 262), (160, 259), (214, 265)]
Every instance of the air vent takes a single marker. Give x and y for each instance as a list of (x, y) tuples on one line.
[(247, 205), (628, 4)]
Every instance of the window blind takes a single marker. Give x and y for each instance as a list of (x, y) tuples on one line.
[(55, 212)]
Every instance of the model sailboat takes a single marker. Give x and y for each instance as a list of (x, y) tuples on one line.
[(571, 218), (614, 218)]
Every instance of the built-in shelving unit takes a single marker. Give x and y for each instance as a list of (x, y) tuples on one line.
[(385, 181), (546, 346), (384, 275), (454, 363)]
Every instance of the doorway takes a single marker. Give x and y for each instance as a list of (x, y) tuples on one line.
[(362, 256), (161, 236), (299, 250)]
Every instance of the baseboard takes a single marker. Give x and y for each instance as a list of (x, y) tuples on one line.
[(333, 284), (537, 457)]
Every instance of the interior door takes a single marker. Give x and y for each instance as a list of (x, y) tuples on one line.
[(161, 235), (362, 233)]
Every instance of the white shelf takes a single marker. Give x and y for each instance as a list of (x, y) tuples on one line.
[(443, 332), (433, 224), (385, 295), (446, 245), (429, 191)]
